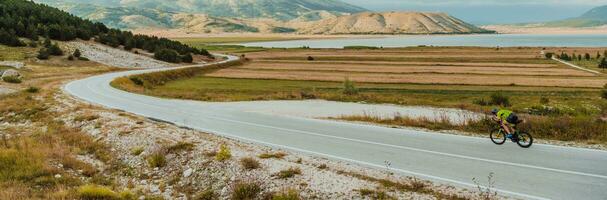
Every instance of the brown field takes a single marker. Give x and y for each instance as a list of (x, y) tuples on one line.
[(410, 69), (429, 65)]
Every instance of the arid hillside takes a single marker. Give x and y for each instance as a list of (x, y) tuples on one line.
[(392, 23)]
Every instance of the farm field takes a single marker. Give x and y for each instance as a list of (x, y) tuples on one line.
[(459, 77)]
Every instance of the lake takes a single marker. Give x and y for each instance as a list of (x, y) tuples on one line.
[(483, 40)]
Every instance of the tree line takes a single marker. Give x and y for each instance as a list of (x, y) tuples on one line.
[(26, 19), (601, 59)]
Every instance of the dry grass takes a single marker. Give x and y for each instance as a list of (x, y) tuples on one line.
[(288, 173), (453, 79), (418, 69), (277, 155), (250, 163)]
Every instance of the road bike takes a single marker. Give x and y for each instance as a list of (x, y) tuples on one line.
[(522, 138)]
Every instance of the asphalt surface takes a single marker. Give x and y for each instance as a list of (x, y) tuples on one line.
[(541, 172)]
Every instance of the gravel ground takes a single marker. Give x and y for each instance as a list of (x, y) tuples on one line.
[(113, 56)]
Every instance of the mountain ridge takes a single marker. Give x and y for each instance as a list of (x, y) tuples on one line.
[(314, 18)]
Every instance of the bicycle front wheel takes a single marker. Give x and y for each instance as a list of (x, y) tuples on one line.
[(525, 140), (498, 136)]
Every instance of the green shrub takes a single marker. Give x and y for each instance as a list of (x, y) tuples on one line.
[(32, 89), (83, 58), (349, 88), (167, 55), (77, 53), (499, 99), (55, 50), (249, 163), (224, 153), (157, 160), (288, 173), (604, 94), (70, 58), (95, 192), (245, 191), (310, 58), (11, 79), (43, 54)]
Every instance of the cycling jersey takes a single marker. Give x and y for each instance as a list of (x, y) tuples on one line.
[(504, 114)]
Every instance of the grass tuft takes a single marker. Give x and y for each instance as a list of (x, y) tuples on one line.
[(224, 153), (95, 192), (245, 191), (289, 173), (157, 160), (181, 146), (278, 155), (290, 194), (250, 163)]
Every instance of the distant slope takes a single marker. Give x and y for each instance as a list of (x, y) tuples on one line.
[(283, 10), (595, 17), (261, 16), (392, 23)]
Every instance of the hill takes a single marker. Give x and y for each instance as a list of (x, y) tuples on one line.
[(595, 17), (262, 16), (282, 10), (392, 23)]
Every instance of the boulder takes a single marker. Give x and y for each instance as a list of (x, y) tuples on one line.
[(14, 64), (11, 73)]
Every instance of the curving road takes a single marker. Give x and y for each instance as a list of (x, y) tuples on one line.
[(541, 172)]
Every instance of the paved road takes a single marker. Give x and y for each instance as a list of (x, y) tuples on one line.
[(541, 172)]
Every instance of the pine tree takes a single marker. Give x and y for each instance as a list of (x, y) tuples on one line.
[(77, 53), (587, 56), (55, 50), (43, 54)]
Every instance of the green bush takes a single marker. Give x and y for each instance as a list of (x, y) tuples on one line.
[(349, 88), (167, 55), (499, 99), (70, 58), (544, 100), (77, 53), (135, 151), (32, 89), (245, 191), (604, 94), (95, 192), (224, 153), (83, 58), (43, 54), (11, 79), (157, 160), (55, 50)]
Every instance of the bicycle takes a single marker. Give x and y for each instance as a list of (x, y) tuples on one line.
[(522, 138)]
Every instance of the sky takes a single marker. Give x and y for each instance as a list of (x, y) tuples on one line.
[(490, 11)]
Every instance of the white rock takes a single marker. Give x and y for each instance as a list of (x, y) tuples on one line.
[(57, 175), (11, 73), (188, 172)]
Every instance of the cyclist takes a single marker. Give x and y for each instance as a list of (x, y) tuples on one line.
[(506, 118)]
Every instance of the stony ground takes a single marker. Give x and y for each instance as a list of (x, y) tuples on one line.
[(196, 168), (115, 57)]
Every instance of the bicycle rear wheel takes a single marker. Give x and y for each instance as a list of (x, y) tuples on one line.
[(498, 136), (525, 140)]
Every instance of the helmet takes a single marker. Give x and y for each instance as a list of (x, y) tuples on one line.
[(494, 111)]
